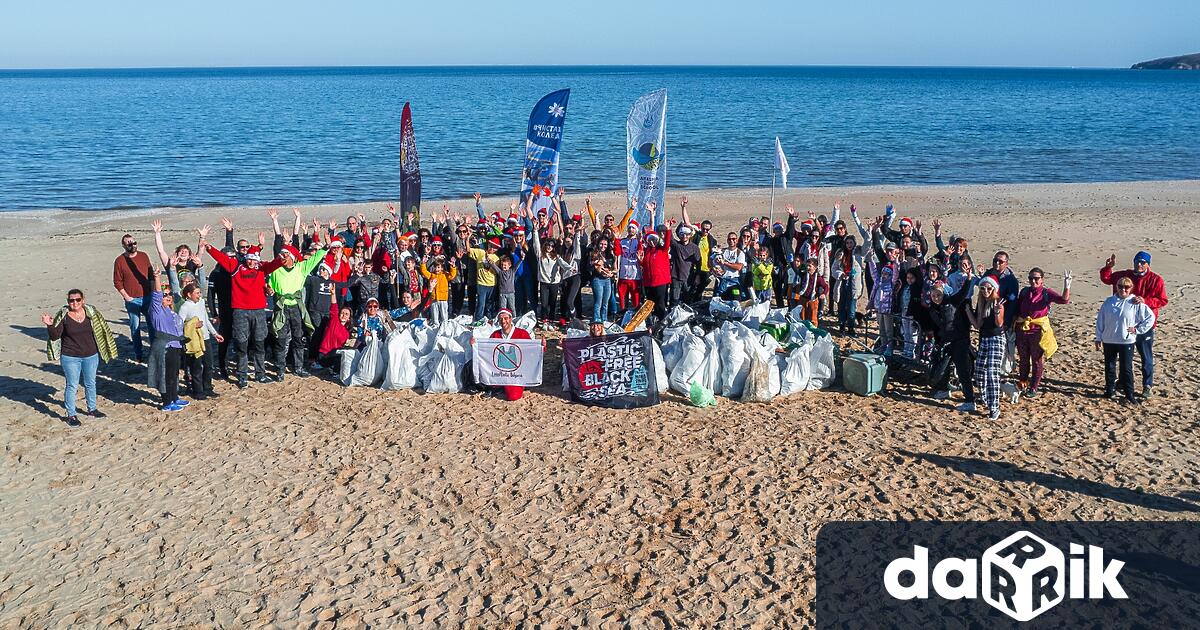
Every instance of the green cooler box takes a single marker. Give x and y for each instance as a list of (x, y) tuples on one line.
[(863, 374)]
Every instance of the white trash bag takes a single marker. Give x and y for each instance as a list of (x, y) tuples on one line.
[(797, 370), (735, 365), (401, 372), (690, 364), (371, 363), (526, 321), (821, 363), (349, 363), (661, 380)]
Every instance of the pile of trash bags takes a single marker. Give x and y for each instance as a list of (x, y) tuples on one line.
[(756, 354), (415, 355)]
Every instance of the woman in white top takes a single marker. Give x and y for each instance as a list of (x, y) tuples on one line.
[(200, 368), (1118, 324)]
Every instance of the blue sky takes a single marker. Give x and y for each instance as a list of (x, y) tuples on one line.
[(122, 33)]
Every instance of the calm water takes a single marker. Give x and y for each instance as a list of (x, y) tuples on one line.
[(103, 139)]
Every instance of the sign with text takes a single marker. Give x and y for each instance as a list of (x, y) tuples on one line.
[(611, 371), (508, 362)]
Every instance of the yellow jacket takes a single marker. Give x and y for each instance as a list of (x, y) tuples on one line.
[(1048, 343), (193, 341), (441, 291)]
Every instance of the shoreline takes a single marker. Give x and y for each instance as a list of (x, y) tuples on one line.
[(780, 193)]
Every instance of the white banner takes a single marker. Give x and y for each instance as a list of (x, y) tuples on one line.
[(645, 156), (508, 362)]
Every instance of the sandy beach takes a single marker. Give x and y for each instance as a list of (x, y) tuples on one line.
[(306, 504)]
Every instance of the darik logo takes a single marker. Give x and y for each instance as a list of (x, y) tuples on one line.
[(1023, 576), (556, 110)]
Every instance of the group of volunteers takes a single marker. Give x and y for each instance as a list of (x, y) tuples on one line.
[(321, 287)]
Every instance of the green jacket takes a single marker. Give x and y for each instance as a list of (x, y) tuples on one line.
[(105, 342), (288, 283)]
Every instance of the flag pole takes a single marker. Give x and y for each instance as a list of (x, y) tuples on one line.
[(773, 194)]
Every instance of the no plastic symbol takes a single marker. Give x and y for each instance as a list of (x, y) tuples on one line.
[(507, 357)]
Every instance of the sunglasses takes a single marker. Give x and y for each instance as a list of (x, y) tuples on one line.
[(999, 260), (243, 247), (130, 243), (74, 300), (1035, 277)]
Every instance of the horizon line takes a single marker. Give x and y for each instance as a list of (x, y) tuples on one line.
[(572, 65)]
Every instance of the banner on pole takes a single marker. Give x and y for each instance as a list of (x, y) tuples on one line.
[(540, 176), (410, 166), (508, 362), (645, 156), (615, 371), (781, 162)]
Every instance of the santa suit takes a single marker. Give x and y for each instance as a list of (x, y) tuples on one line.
[(512, 392)]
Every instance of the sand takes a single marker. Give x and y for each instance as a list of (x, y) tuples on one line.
[(306, 504)]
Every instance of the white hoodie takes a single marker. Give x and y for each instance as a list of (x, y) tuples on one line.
[(1117, 316)]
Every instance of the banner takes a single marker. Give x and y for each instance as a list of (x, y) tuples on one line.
[(540, 176), (614, 371), (410, 167), (645, 156), (781, 164), (508, 362)]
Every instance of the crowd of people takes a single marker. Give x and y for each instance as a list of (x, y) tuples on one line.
[(320, 287)]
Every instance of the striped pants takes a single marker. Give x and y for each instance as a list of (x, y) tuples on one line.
[(987, 370)]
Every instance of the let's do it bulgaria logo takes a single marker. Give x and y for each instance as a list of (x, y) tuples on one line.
[(1022, 576)]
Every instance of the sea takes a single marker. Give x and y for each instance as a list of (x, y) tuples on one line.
[(100, 139)]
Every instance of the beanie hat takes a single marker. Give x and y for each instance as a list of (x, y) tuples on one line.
[(1142, 256)]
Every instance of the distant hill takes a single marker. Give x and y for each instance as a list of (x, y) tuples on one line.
[(1182, 62)]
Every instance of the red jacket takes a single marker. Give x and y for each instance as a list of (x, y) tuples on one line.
[(249, 285), (656, 263), (340, 273), (1149, 287)]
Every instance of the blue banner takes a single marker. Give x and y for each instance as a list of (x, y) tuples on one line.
[(645, 156), (540, 176)]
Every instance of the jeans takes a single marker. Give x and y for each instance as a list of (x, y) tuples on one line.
[(137, 313), (249, 333), (439, 312), (1114, 353), (509, 301), (602, 290), (483, 296), (1145, 348), (75, 368)]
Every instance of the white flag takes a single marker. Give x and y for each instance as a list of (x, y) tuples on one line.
[(781, 161)]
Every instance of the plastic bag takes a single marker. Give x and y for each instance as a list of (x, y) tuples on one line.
[(728, 308), (423, 338), (735, 367), (673, 340), (401, 349), (711, 371), (349, 363), (661, 380), (699, 396), (821, 363), (690, 364), (526, 321), (756, 314), (758, 381), (483, 331), (371, 363), (678, 315), (797, 370), (442, 373)]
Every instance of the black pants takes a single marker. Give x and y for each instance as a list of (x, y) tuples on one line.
[(678, 292), (700, 280), (458, 294), (290, 338), (225, 327), (570, 307), (318, 333), (200, 369), (1114, 352), (548, 303), (964, 365), (170, 391), (387, 300), (658, 295), (249, 332), (779, 290)]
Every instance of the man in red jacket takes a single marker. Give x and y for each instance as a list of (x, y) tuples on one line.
[(1148, 289), (248, 297), (656, 267)]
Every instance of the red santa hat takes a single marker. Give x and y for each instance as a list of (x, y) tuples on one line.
[(577, 218), (906, 221), (437, 240), (288, 249), (410, 236), (502, 312), (494, 242), (808, 225), (496, 216), (633, 224), (336, 242), (512, 218)]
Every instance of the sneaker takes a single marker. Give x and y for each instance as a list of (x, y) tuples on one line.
[(1147, 393), (1110, 394), (966, 407), (211, 394), (301, 373), (278, 377), (1130, 402), (72, 421), (263, 378), (96, 413), (181, 403), (995, 415), (1030, 393), (941, 394), (171, 407), (242, 384)]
